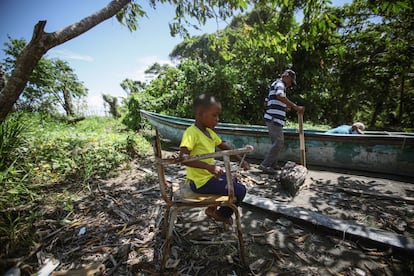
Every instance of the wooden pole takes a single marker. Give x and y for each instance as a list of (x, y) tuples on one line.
[(302, 140)]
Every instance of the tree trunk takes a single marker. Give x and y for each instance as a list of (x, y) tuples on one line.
[(113, 105), (2, 78), (292, 177), (68, 105), (42, 42)]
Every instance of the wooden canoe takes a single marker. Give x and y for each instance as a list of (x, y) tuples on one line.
[(379, 152)]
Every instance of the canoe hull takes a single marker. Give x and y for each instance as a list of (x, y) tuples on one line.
[(373, 152)]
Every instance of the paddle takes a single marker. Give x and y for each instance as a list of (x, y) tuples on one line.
[(302, 140)]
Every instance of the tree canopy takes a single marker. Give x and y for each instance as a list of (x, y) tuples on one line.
[(52, 85), (353, 63), (128, 12)]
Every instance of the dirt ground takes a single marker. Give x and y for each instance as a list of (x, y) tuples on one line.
[(115, 230)]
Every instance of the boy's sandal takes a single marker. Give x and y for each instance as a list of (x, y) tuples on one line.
[(215, 214)]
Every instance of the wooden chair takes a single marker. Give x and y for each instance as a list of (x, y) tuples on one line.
[(184, 197)]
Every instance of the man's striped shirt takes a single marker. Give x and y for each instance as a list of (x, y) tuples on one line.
[(275, 109)]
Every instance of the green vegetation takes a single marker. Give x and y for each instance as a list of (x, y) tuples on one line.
[(52, 85), (353, 63), (46, 161)]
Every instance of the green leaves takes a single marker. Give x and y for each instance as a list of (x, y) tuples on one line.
[(52, 84), (353, 62), (54, 154), (130, 15), (12, 132), (190, 13), (58, 153)]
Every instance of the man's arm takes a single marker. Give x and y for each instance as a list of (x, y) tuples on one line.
[(299, 109)]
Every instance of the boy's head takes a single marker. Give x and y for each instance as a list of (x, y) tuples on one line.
[(205, 101), (207, 109)]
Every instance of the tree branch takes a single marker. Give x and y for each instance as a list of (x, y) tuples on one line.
[(40, 43)]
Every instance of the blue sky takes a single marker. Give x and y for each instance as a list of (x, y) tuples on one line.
[(106, 54)]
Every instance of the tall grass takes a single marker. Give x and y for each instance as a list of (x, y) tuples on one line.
[(41, 152), (11, 138)]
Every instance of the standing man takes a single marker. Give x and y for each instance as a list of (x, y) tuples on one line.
[(276, 104)]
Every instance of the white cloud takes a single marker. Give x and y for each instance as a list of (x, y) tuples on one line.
[(94, 98), (67, 54), (138, 73), (95, 105)]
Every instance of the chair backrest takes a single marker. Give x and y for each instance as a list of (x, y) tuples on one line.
[(164, 189)]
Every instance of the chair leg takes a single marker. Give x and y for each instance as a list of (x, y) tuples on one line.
[(165, 222), (166, 249), (242, 248)]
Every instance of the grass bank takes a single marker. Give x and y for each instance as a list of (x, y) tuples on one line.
[(45, 162)]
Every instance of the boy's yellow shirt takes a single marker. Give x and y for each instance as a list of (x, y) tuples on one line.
[(198, 143)]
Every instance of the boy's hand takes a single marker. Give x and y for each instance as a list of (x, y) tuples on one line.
[(245, 165), (183, 156), (216, 170)]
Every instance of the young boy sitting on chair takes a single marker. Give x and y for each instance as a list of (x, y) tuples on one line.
[(204, 176)]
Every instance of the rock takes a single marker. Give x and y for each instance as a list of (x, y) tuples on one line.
[(292, 177)]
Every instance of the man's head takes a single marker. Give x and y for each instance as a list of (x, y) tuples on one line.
[(358, 128), (289, 77)]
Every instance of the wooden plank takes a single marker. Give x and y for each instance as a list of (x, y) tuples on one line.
[(346, 228), (407, 199)]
